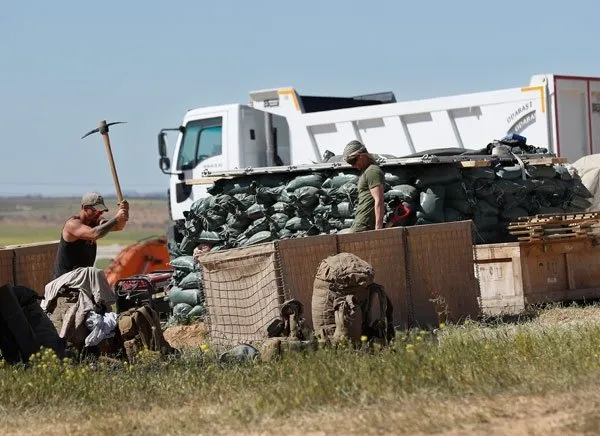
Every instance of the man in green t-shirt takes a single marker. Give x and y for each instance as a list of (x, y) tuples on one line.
[(370, 208)]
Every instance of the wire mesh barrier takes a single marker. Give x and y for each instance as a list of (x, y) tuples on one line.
[(243, 292), (427, 271), (29, 265)]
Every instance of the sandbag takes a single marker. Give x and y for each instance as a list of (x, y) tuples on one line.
[(510, 187), (406, 193), (298, 223), (255, 211), (279, 220), (182, 310), (462, 206), (178, 295), (456, 191), (514, 214), (268, 196), (260, 238), (452, 214), (245, 200), (510, 172), (282, 207), (437, 175), (311, 180), (579, 203), (190, 281), (541, 171), (342, 210), (432, 203), (187, 245), (183, 263), (484, 208), (341, 179), (484, 223), (306, 197), (238, 221), (259, 225), (479, 173), (197, 311)]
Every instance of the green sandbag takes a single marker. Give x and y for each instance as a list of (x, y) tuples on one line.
[(579, 203), (259, 225), (342, 210), (452, 214), (177, 295), (281, 207), (551, 209), (298, 223), (310, 180), (182, 310), (187, 245), (577, 187), (340, 180), (510, 187), (486, 223), (190, 281), (224, 204), (397, 176), (201, 206), (323, 209), (541, 171), (511, 172), (407, 193), (240, 186), (484, 208), (209, 238), (255, 211), (437, 175), (284, 233), (260, 238), (306, 197), (479, 173), (268, 196), (197, 311), (513, 214), (183, 263), (238, 222), (563, 172), (456, 191), (463, 206), (432, 203), (245, 200), (544, 186), (212, 221), (279, 219)]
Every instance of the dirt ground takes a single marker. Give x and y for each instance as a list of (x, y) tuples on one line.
[(186, 336)]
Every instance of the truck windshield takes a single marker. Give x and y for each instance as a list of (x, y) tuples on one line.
[(202, 139)]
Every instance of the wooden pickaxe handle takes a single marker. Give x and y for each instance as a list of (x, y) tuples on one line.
[(103, 129)]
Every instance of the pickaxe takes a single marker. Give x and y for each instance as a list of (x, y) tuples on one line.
[(103, 129)]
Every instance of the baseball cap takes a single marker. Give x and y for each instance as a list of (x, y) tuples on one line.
[(95, 200), (352, 149)]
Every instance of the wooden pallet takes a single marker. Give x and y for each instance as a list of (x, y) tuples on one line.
[(556, 226)]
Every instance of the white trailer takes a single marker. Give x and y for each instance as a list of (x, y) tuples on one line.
[(280, 127)]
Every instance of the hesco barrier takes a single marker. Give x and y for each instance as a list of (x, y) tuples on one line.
[(30, 265), (428, 272)]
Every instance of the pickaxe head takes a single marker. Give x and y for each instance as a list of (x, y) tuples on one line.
[(103, 128)]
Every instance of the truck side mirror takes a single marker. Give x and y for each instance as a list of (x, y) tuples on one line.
[(164, 163), (162, 144)]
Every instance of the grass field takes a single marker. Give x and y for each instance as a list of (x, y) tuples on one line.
[(536, 377)]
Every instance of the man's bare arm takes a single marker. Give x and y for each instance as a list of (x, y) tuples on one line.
[(377, 193), (77, 230)]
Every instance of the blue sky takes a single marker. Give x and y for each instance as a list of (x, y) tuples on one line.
[(68, 64)]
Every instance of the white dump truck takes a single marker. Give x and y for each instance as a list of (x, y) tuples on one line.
[(281, 128)]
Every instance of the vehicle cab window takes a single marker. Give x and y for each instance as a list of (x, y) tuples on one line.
[(202, 139)]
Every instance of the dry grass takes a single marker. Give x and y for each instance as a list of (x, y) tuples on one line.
[(532, 378)]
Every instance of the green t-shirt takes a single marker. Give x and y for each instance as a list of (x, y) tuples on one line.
[(364, 218)]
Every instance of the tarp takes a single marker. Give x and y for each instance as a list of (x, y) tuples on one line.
[(588, 168)]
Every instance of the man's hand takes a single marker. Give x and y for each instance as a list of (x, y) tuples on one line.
[(124, 206)]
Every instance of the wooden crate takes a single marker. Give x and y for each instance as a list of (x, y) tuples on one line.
[(6, 266), (34, 265), (513, 275)]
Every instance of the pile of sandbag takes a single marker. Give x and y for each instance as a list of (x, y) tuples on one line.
[(250, 210), (186, 294)]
